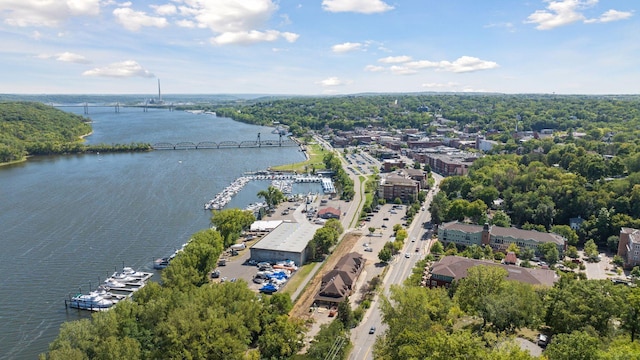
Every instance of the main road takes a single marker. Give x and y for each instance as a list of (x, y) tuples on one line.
[(399, 269)]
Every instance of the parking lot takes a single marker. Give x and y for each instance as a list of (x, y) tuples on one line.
[(240, 266)]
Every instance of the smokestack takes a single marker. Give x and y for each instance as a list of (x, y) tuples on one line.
[(159, 93)]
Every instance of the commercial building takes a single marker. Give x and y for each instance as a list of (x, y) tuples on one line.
[(288, 241), (499, 238), (451, 268), (629, 247), (395, 186), (340, 282)]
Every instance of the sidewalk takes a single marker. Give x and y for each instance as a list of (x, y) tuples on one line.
[(311, 274)]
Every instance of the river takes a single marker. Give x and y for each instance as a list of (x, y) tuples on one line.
[(69, 221)]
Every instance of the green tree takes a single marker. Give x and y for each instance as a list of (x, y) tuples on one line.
[(384, 255), (567, 232), (500, 218), (272, 196), (631, 312), (576, 304), (550, 252), (281, 338), (515, 306), (572, 252), (578, 345), (591, 250), (439, 207), (345, 314), (231, 222), (437, 248), (481, 282)]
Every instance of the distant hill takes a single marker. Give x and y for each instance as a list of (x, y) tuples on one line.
[(28, 128)]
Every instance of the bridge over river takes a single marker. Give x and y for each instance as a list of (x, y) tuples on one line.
[(188, 145)]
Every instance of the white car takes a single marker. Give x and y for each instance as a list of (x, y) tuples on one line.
[(407, 255)]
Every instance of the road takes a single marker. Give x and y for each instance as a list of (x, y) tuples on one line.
[(399, 269)]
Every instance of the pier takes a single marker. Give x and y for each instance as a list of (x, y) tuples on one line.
[(224, 197)]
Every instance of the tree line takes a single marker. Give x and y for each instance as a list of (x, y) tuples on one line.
[(479, 315), (30, 128)]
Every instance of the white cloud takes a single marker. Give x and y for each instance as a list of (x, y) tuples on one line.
[(186, 24), (124, 69), (565, 12), (505, 25), (358, 6), (251, 37), (611, 15), (66, 57), (395, 59), (134, 20), (402, 70), (222, 16), (334, 81), (346, 47), (467, 64), (40, 13), (440, 85), (165, 10), (233, 21), (402, 65), (74, 58), (374, 68)]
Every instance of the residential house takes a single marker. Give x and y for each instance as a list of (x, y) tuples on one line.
[(451, 268)]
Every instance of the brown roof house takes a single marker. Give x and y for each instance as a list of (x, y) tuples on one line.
[(451, 268), (338, 283), (329, 213)]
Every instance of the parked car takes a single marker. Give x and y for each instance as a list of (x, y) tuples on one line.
[(543, 340), (368, 249)]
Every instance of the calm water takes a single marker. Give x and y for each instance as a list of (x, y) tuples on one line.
[(69, 221)]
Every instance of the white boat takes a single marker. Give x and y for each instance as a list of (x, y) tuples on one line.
[(91, 301), (129, 275), (113, 284), (107, 295)]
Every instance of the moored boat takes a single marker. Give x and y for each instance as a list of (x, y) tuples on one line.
[(92, 301)]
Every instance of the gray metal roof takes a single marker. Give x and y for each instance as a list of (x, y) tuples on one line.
[(288, 236)]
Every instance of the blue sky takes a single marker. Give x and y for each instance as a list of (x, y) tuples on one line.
[(314, 47)]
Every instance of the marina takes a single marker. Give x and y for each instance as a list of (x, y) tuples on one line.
[(120, 286), (283, 182)]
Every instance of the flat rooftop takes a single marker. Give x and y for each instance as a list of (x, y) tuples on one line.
[(289, 237)]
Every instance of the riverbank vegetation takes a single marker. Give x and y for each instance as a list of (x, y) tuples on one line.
[(29, 128), (189, 317)]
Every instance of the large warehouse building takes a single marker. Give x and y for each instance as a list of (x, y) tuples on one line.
[(288, 241)]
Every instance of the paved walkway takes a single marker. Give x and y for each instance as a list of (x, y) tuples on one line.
[(306, 280)]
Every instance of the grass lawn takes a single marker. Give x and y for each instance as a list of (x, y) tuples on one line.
[(293, 284), (316, 155)]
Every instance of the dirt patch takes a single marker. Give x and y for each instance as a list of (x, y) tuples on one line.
[(304, 302)]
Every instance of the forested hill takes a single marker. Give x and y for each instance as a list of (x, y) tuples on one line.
[(31, 128)]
